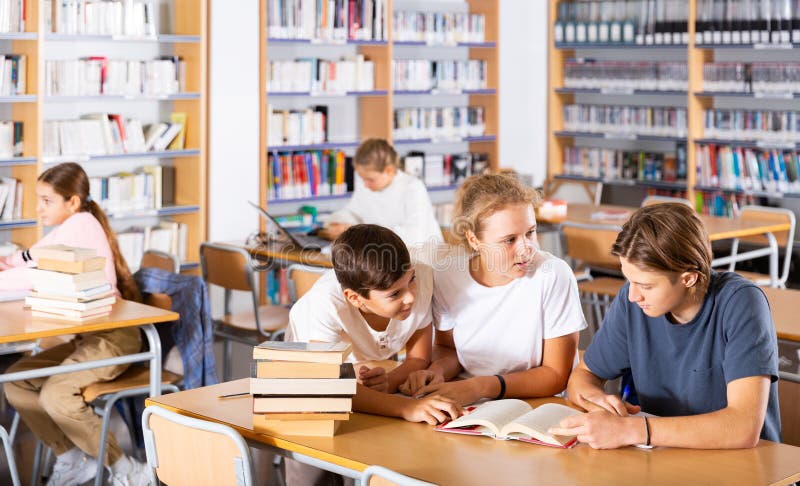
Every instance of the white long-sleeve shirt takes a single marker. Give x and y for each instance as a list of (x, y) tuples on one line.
[(403, 206)]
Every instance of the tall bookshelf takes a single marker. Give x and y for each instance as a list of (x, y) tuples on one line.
[(373, 112), (694, 99), (182, 31)]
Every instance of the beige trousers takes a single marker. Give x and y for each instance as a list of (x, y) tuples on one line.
[(53, 407)]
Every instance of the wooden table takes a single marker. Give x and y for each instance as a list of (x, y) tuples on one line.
[(17, 325), (283, 253), (784, 303), (718, 228), (418, 451)]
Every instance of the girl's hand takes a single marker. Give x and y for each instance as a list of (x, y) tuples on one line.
[(463, 392), (433, 409), (418, 379), (375, 378)]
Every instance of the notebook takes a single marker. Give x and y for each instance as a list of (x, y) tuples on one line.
[(302, 241)]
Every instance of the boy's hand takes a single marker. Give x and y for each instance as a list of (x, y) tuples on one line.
[(375, 378), (608, 403), (418, 379), (433, 409), (602, 429)]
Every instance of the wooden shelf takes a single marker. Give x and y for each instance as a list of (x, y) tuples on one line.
[(190, 41)]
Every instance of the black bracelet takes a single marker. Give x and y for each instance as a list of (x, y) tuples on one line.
[(502, 387), (26, 257), (647, 430)]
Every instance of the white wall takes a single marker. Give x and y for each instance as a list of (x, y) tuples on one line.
[(233, 155)]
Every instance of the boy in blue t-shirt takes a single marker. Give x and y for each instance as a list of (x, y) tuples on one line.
[(700, 345)]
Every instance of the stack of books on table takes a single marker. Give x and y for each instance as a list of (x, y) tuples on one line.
[(70, 283), (301, 388)]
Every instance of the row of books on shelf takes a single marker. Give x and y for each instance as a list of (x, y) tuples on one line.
[(292, 175), (758, 125), (297, 127), (611, 164), (301, 388), (98, 75), (648, 22), (756, 77), (150, 187), (10, 198), (12, 16), (13, 76), (134, 18), (438, 27), (277, 288), (626, 75), (317, 76), (110, 133), (11, 139), (439, 123), (168, 237), (747, 22), (626, 120), (69, 283), (747, 169), (438, 170), (449, 75), (327, 20), (721, 204)]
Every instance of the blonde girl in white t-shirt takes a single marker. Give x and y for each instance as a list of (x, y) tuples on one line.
[(506, 314)]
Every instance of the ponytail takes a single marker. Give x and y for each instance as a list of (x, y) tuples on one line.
[(69, 179)]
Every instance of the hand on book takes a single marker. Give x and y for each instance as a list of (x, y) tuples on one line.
[(419, 379), (433, 409), (375, 378), (609, 403), (601, 429), (463, 392)]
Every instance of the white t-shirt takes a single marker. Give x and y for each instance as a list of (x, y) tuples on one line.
[(403, 206), (323, 314), (499, 330)]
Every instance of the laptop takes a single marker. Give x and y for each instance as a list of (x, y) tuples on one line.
[(300, 240)]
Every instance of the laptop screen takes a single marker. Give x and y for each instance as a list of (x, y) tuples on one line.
[(273, 226)]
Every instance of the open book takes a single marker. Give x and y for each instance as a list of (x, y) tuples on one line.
[(514, 419)]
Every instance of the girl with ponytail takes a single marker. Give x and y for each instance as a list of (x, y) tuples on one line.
[(53, 407)]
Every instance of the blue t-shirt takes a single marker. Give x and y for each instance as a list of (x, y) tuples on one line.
[(684, 369)]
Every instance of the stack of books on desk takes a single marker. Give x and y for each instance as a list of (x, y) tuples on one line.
[(70, 284), (301, 388)]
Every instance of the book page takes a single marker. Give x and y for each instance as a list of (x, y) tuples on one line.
[(492, 415), (302, 346), (536, 423)]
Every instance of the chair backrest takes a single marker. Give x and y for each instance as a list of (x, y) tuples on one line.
[(573, 191), (785, 239), (381, 476), (302, 278), (650, 200), (591, 244), (226, 266), (186, 450), (159, 259)]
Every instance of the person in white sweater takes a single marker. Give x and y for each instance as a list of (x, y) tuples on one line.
[(387, 196)]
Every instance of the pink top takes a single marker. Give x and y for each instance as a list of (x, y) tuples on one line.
[(80, 230)]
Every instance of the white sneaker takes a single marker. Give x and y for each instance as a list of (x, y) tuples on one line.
[(71, 468), (130, 472)]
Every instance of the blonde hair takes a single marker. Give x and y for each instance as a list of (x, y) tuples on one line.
[(375, 154), (481, 196)]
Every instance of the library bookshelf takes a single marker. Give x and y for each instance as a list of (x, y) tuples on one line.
[(183, 32), (695, 99), (373, 113)]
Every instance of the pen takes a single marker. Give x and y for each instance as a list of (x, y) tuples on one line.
[(234, 395)]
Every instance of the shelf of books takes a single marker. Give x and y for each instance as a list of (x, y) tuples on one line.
[(424, 77), (126, 98), (678, 96)]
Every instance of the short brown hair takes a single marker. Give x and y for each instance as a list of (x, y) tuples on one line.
[(375, 154), (667, 237), (480, 196), (369, 257)]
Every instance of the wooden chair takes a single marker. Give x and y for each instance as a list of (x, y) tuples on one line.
[(186, 450), (302, 278), (784, 239), (589, 247), (650, 200), (229, 267), (159, 259), (381, 476)]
